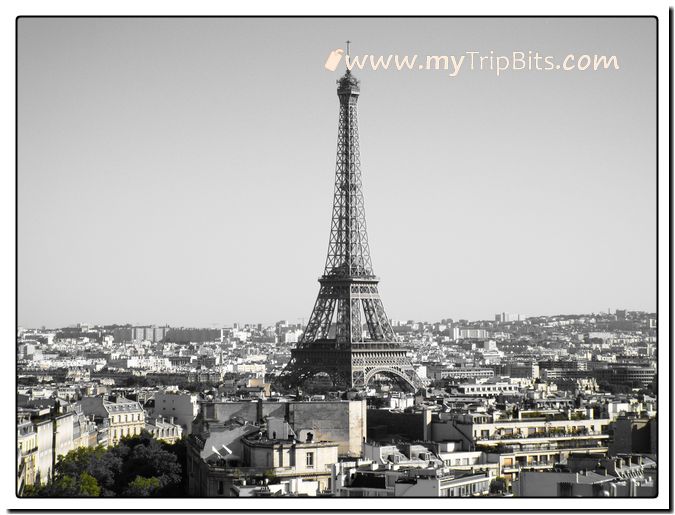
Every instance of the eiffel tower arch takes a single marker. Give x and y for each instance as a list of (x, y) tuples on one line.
[(349, 336)]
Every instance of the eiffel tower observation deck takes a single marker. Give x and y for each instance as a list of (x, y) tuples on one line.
[(349, 336)]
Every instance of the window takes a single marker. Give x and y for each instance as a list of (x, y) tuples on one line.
[(221, 488), (310, 459)]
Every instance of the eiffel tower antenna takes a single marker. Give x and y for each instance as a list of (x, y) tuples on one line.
[(347, 58), (336, 340)]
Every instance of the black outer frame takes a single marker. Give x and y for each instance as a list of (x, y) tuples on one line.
[(670, 243)]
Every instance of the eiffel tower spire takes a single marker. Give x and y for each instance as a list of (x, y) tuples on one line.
[(334, 341)]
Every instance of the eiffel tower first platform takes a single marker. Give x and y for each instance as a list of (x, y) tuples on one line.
[(335, 341)]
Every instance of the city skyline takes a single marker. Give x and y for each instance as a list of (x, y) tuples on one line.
[(303, 321), (156, 202)]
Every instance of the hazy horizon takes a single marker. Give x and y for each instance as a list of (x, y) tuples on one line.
[(270, 324), (180, 171)]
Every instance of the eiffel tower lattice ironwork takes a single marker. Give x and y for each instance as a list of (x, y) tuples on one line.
[(335, 340)]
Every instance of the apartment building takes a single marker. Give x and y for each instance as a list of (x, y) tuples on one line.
[(488, 389), (163, 429), (27, 452), (437, 372), (123, 417), (533, 443), (368, 479), (223, 458)]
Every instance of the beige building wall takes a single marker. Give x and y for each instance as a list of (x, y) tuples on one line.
[(343, 422), (125, 424), (44, 453), (28, 456)]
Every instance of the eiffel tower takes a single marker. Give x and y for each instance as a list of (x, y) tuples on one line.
[(334, 341)]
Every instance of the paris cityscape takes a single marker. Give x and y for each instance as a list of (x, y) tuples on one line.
[(348, 402), (511, 406), (352, 404)]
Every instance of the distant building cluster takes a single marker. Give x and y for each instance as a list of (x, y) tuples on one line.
[(516, 406)]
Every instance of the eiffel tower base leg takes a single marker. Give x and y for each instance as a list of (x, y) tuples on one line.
[(351, 370)]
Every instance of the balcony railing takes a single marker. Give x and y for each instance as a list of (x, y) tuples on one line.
[(540, 435), (595, 445), (250, 470), (534, 464)]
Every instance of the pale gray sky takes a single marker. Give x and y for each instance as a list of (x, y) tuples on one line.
[(181, 170)]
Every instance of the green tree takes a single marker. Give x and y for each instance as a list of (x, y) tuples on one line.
[(144, 456), (82, 485), (65, 486), (100, 463), (179, 449), (89, 486), (77, 460), (142, 487), (138, 466)]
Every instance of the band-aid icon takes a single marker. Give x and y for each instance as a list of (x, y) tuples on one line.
[(334, 59)]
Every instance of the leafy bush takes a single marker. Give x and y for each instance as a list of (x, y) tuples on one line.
[(139, 466)]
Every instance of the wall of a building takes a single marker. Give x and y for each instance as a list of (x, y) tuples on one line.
[(44, 458), (443, 431), (129, 423), (180, 406), (383, 425), (343, 422), (541, 484), (64, 434)]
